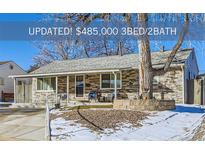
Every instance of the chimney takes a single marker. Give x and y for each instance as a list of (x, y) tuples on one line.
[(162, 48), (120, 49)]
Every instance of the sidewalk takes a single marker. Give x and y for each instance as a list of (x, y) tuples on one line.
[(22, 126)]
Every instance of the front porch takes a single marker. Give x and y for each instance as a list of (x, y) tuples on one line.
[(70, 87), (74, 88)]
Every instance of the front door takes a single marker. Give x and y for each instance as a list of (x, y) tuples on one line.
[(79, 86)]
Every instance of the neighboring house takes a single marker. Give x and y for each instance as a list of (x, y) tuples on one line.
[(8, 68), (198, 90), (118, 74)]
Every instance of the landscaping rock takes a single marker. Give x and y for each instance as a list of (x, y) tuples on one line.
[(98, 120)]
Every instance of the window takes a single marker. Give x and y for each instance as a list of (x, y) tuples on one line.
[(46, 83), (108, 80), (1, 81)]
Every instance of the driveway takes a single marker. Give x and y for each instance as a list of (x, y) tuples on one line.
[(22, 125)]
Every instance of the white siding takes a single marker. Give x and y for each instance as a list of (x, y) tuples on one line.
[(5, 72)]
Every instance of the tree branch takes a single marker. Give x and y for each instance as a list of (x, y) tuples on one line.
[(175, 49), (178, 44)]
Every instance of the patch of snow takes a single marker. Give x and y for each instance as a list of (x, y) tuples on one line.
[(55, 111), (69, 130), (178, 124)]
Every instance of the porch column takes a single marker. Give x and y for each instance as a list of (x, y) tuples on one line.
[(203, 91), (67, 88), (14, 90), (183, 85), (56, 89), (115, 92)]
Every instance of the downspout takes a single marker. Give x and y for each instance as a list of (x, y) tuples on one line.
[(204, 91), (67, 89), (183, 85), (56, 89), (14, 90)]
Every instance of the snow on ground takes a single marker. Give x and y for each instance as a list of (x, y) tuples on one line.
[(178, 124)]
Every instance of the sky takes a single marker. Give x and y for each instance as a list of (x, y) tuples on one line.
[(22, 52)]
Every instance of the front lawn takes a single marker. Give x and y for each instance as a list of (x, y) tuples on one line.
[(99, 120), (183, 123)]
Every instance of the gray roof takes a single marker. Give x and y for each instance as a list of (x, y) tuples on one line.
[(4, 62), (201, 75), (110, 62)]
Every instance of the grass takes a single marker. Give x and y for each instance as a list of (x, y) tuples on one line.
[(90, 107)]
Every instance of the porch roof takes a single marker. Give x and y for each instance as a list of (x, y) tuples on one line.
[(109, 63)]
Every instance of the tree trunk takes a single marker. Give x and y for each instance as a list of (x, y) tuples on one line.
[(145, 68)]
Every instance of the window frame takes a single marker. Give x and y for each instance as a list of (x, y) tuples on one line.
[(43, 90), (113, 80), (2, 79)]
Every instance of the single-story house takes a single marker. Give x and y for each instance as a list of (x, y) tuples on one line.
[(75, 79), (8, 68)]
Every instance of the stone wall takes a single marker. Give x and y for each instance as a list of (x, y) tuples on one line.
[(39, 97), (129, 84), (169, 86), (62, 84), (92, 83), (144, 105), (71, 87), (62, 89)]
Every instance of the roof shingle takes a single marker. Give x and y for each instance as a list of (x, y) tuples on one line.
[(4, 62), (110, 62)]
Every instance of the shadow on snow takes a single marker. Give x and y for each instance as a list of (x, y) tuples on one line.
[(189, 109)]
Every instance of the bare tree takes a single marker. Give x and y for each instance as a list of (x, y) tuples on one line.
[(104, 47), (145, 66), (146, 71), (75, 47), (56, 50)]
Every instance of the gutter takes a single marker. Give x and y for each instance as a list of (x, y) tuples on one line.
[(63, 73), (183, 84), (82, 72)]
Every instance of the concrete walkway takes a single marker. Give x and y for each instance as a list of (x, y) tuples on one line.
[(22, 125)]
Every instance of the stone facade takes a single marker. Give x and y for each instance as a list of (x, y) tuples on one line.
[(167, 87), (144, 105), (128, 89), (62, 84), (72, 86), (39, 97)]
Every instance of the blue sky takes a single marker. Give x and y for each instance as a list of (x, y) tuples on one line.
[(22, 52)]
